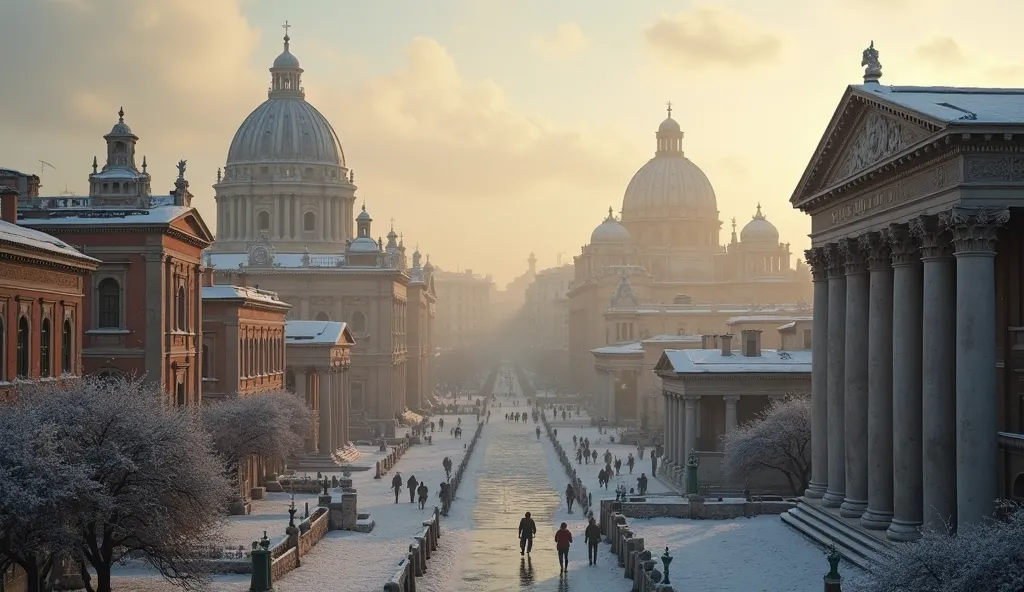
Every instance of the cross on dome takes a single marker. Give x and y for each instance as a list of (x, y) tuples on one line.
[(758, 215), (669, 109)]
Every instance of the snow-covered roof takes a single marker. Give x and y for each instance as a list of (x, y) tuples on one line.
[(792, 325), (40, 241), (951, 104), (70, 211), (632, 348), (758, 319), (676, 338), (317, 333), (783, 310), (226, 292), (711, 361)]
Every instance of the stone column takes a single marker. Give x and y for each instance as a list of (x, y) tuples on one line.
[(681, 433), (302, 393), (730, 412), (855, 385), (250, 219), (667, 421), (691, 424), (977, 470), (345, 408), (819, 375), (609, 413), (324, 392), (938, 365), (836, 377), (336, 407), (906, 385), (879, 512)]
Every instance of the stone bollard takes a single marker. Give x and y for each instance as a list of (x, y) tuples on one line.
[(625, 535), (423, 540), (833, 581), (261, 580), (377, 476)]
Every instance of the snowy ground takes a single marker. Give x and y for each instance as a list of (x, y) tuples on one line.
[(363, 561)]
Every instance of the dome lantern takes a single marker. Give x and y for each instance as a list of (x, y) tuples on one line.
[(670, 136), (759, 230), (286, 74)]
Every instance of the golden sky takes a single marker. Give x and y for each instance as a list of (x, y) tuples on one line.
[(486, 128)]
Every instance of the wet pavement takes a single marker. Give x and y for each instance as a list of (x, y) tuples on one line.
[(513, 480)]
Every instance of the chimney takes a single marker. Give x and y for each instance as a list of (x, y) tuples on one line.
[(726, 344), (704, 341), (9, 204), (207, 276), (751, 346)]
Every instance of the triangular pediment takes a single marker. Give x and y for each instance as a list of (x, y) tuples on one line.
[(192, 223), (664, 364), (864, 132)]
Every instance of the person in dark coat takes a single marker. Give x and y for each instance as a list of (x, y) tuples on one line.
[(563, 538), (396, 484), (601, 478), (570, 495), (641, 483), (592, 537), (411, 484), (423, 493), (527, 530)]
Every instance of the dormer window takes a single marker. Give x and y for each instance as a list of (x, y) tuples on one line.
[(117, 188)]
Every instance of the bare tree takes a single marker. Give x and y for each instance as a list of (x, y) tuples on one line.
[(779, 438), (988, 556), (154, 490), (269, 425)]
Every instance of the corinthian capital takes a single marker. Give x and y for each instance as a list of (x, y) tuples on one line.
[(834, 261), (854, 261), (933, 237), (876, 249), (902, 244), (974, 230), (816, 258)]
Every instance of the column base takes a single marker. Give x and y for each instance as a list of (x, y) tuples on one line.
[(853, 508), (903, 531), (876, 519), (833, 499), (816, 490)]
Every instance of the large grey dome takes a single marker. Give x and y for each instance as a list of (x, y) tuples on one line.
[(286, 129), (669, 185)]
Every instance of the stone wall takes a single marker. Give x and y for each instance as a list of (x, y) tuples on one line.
[(582, 498), (638, 564), (424, 543), (696, 507)]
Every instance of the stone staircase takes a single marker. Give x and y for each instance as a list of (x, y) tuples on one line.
[(341, 458), (825, 527)]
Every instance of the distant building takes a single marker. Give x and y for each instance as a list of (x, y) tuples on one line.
[(42, 284), (666, 246), (287, 222), (143, 310), (463, 307)]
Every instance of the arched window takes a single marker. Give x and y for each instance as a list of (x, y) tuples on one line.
[(109, 300), (309, 222), (45, 342), (181, 308), (263, 221), (206, 361), (23, 348), (358, 322), (322, 316), (65, 348)]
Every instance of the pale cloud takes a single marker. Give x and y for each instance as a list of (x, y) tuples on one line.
[(567, 40), (712, 36), (942, 51)]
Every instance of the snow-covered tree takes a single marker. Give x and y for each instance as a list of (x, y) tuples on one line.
[(39, 488), (152, 487), (987, 556), (779, 438), (269, 425)]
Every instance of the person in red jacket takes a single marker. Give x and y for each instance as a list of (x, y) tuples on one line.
[(563, 538)]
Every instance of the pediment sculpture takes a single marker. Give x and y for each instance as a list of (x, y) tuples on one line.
[(876, 138)]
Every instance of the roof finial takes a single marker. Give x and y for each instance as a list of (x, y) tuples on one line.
[(758, 214), (286, 26), (669, 108), (734, 223), (610, 216), (872, 67), (120, 115)]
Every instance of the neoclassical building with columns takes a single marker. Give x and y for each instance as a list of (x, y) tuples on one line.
[(286, 223), (914, 195)]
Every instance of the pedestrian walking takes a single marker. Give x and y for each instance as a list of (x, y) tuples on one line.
[(396, 484), (527, 530), (563, 538), (423, 493), (592, 536), (411, 484), (641, 483), (538, 432), (570, 495)]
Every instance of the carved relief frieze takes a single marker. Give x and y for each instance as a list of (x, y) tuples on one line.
[(38, 276), (943, 176), (876, 137), (995, 169)]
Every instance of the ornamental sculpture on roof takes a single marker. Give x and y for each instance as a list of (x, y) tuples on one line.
[(872, 67)]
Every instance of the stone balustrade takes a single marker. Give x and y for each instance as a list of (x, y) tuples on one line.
[(582, 498), (637, 563), (425, 542)]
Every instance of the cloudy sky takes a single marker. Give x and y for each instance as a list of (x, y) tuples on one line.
[(486, 128)]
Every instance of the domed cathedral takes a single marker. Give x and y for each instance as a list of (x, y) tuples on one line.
[(285, 175), (285, 202), (661, 268)]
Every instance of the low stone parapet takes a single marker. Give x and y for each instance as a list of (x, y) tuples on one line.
[(696, 507)]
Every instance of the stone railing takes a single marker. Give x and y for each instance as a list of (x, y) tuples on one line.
[(582, 497), (637, 562), (414, 564), (698, 507), (287, 555), (388, 462)]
